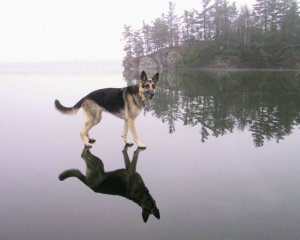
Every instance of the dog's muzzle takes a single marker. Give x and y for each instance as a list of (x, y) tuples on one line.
[(149, 95)]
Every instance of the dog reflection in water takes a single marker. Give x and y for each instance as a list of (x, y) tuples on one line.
[(123, 182)]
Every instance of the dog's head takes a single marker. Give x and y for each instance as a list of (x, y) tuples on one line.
[(147, 85), (149, 207)]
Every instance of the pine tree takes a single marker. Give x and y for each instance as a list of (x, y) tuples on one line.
[(261, 14), (138, 47), (204, 19), (243, 25), (146, 31), (190, 27), (159, 34), (171, 21), (224, 16), (129, 42)]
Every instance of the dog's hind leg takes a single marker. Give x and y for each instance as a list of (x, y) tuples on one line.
[(85, 132), (97, 119), (93, 116)]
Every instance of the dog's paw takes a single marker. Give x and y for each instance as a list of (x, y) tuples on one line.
[(128, 143), (85, 140), (138, 150), (88, 145), (141, 146), (92, 140)]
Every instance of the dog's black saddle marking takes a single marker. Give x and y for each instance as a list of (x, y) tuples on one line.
[(110, 99)]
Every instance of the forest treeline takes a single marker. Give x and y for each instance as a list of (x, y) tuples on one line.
[(264, 35)]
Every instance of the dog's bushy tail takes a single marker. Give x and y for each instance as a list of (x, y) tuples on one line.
[(68, 110)]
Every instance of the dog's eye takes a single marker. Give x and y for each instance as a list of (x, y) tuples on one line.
[(147, 86), (153, 86)]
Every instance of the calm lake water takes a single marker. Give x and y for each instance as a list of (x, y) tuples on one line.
[(222, 158)]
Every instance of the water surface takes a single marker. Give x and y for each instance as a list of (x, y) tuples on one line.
[(222, 158)]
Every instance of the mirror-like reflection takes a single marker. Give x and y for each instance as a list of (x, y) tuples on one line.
[(122, 182), (223, 189), (217, 102)]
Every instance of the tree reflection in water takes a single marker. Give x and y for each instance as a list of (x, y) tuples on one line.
[(267, 103)]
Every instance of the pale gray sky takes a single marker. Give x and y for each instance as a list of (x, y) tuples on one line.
[(58, 30)]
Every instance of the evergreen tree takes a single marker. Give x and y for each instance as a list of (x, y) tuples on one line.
[(171, 20), (243, 25), (263, 13), (159, 34), (205, 19), (190, 27), (289, 21), (138, 47), (224, 16), (146, 31), (266, 36), (129, 41)]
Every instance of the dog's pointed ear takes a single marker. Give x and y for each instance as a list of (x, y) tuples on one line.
[(155, 78), (145, 215), (156, 213), (143, 76)]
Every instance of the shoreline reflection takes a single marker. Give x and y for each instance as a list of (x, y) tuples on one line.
[(266, 103)]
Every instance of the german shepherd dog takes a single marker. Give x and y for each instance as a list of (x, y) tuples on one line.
[(122, 182), (125, 103)]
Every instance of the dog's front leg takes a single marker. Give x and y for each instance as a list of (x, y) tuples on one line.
[(136, 139), (125, 133)]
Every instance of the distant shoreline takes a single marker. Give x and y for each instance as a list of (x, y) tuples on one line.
[(102, 66), (232, 69), (77, 67)]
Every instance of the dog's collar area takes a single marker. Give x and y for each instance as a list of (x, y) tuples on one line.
[(140, 101)]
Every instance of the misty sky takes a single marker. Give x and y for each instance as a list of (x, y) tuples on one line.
[(59, 30)]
